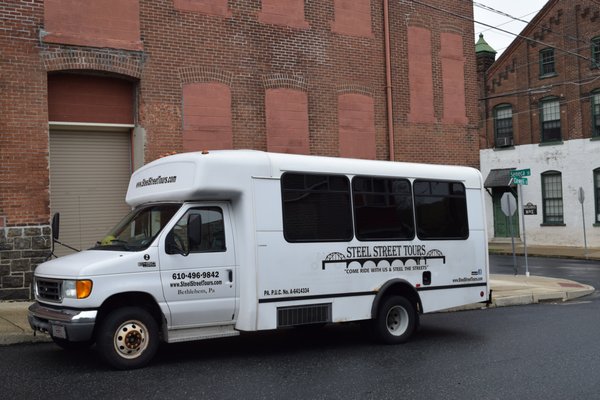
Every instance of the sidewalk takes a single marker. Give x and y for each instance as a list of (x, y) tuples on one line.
[(505, 248), (507, 290)]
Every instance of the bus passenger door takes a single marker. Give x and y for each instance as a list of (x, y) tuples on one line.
[(197, 267)]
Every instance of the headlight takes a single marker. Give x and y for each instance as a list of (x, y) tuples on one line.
[(79, 289)]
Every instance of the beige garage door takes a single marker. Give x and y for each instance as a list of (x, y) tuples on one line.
[(89, 173)]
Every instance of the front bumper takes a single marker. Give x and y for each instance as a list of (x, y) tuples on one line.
[(72, 325)]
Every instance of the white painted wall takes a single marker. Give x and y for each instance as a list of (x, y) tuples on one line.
[(576, 160)]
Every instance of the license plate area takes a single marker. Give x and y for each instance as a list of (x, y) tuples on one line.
[(59, 331)]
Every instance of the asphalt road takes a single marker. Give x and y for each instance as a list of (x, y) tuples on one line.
[(547, 351)]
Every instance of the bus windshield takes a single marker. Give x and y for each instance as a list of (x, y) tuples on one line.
[(138, 229)]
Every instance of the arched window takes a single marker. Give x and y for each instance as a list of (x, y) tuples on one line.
[(503, 125), (550, 120), (552, 198)]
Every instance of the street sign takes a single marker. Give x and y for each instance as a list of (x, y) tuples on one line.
[(581, 195), (519, 181), (530, 209), (508, 204), (519, 173)]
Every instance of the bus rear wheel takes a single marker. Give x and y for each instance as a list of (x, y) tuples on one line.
[(396, 320)]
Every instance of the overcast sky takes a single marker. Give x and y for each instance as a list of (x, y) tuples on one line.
[(519, 9)]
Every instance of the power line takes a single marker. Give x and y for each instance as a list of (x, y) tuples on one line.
[(530, 110), (486, 7), (502, 30)]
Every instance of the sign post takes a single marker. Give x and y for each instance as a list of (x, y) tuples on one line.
[(581, 198), (508, 204), (518, 178)]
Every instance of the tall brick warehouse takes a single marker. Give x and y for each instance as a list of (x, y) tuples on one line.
[(90, 91)]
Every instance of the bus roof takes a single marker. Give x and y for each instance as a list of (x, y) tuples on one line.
[(225, 174)]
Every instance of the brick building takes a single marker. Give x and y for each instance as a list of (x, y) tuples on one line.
[(92, 90), (540, 110)]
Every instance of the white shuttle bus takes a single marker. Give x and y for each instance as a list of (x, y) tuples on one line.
[(223, 242)]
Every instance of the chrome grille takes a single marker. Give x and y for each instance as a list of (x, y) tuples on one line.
[(48, 289)]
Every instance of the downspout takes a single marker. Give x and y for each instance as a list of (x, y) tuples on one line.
[(388, 78)]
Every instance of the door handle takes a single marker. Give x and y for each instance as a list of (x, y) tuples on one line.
[(230, 275)]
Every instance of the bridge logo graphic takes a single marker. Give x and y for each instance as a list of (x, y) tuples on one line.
[(337, 258)]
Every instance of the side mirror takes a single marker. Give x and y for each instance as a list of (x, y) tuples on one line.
[(174, 245), (55, 225)]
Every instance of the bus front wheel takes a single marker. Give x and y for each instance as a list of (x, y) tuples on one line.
[(128, 338)]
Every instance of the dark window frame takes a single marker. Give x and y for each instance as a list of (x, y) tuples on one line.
[(595, 52), (182, 226), (553, 203), (388, 198), (307, 191), (503, 127), (550, 129), (464, 209), (547, 62), (597, 194), (595, 101)]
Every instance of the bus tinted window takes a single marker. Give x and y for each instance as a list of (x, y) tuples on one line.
[(316, 207), (382, 208), (441, 210)]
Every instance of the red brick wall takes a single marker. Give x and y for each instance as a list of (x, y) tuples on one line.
[(84, 98), (356, 119), (235, 46), (420, 75), (207, 117), (283, 12), (287, 121), (210, 7), (23, 117), (106, 23), (352, 17)]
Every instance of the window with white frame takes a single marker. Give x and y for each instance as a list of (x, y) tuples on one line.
[(547, 65), (550, 120), (503, 125), (552, 198), (596, 113), (597, 194)]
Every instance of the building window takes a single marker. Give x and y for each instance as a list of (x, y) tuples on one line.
[(552, 200), (547, 67), (597, 193), (596, 113), (550, 120), (503, 125), (596, 52)]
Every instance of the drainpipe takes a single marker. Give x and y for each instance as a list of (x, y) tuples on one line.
[(388, 77)]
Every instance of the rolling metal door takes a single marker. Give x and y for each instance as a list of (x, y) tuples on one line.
[(89, 174)]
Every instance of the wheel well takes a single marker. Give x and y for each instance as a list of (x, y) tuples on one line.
[(397, 287), (131, 299)]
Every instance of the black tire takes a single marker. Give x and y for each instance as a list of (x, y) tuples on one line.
[(128, 338), (396, 320), (72, 346)]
